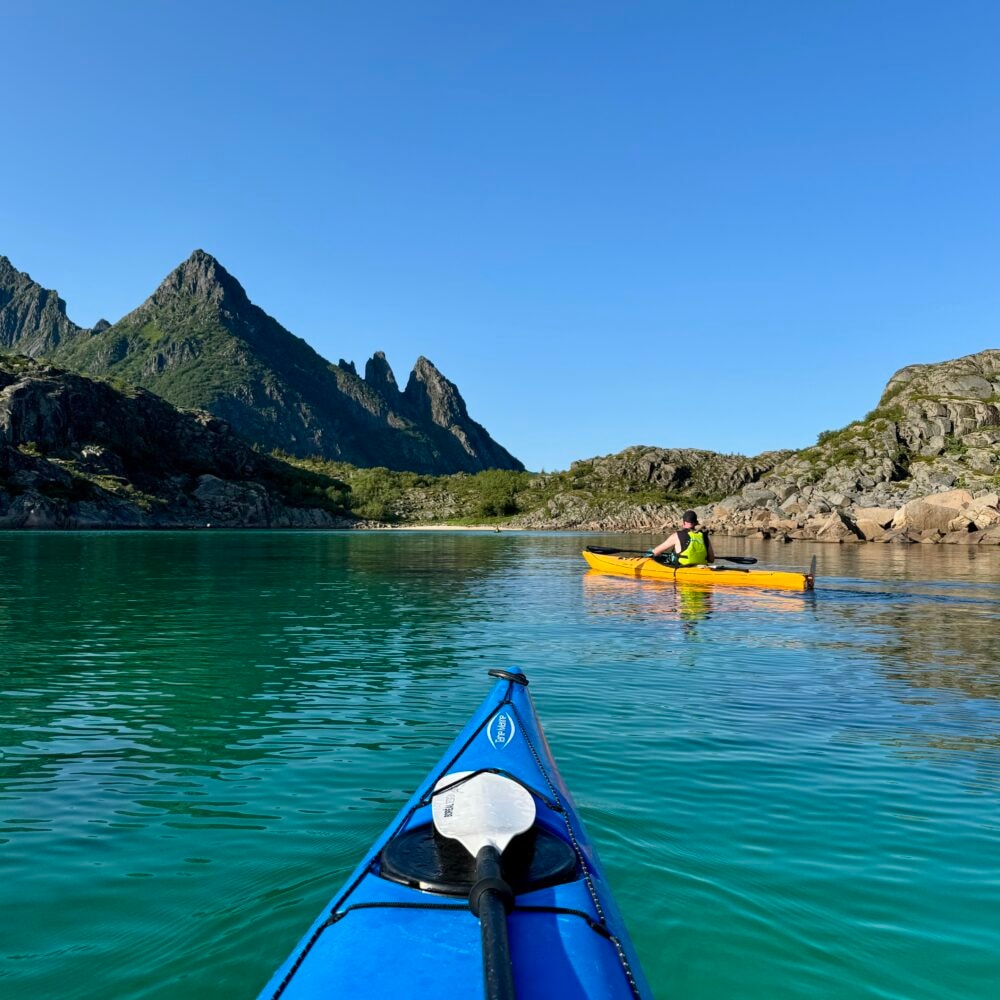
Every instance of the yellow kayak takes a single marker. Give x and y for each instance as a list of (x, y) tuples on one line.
[(649, 569)]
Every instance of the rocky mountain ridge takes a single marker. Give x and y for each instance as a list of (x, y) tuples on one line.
[(199, 342), (641, 488), (33, 319)]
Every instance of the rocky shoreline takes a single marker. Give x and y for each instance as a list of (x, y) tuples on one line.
[(951, 517)]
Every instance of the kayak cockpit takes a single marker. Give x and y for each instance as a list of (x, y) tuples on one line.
[(423, 859)]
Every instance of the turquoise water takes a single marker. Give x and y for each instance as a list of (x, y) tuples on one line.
[(793, 795)]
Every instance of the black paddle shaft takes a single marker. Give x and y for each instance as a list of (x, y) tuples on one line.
[(489, 897), (602, 551)]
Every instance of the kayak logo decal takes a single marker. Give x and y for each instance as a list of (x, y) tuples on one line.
[(501, 730)]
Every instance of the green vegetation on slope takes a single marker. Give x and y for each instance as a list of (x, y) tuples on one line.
[(187, 361), (494, 496)]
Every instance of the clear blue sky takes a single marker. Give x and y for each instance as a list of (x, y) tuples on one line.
[(705, 224)]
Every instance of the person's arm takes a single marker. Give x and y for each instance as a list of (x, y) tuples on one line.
[(670, 543), (708, 548)]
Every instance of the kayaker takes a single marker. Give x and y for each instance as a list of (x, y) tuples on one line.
[(688, 546)]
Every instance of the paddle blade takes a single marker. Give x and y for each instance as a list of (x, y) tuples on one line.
[(487, 810)]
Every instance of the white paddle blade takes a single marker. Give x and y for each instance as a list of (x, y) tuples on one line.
[(488, 809)]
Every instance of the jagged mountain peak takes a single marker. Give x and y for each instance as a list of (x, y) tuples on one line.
[(33, 319), (379, 375), (426, 368), (431, 398), (430, 393), (11, 278), (202, 277), (7, 269)]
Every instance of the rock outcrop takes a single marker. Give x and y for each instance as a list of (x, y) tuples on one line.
[(922, 466), (199, 342), (640, 488), (78, 453), (682, 471)]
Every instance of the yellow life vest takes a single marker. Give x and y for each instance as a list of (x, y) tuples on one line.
[(695, 552)]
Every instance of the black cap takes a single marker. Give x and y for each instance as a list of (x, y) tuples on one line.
[(690, 516)]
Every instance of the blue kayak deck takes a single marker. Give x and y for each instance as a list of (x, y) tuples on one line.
[(380, 938)]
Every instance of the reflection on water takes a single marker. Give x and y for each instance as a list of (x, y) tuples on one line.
[(685, 605), (200, 733), (688, 602)]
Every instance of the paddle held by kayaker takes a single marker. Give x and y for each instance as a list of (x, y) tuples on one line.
[(688, 546)]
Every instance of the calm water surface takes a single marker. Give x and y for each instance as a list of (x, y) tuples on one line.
[(793, 795)]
